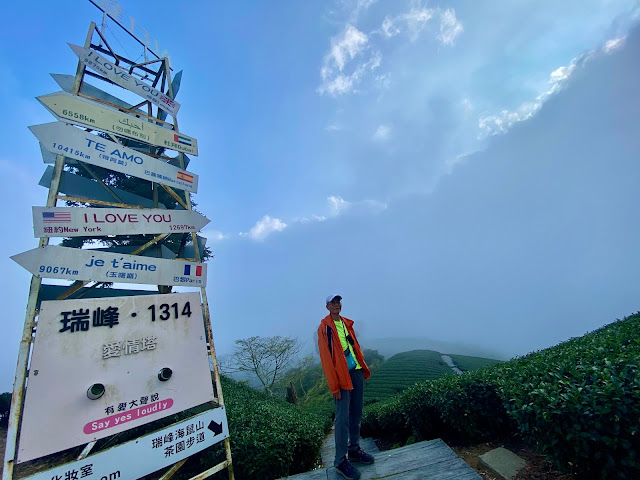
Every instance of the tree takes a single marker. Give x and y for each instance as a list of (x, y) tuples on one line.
[(266, 357), (373, 358)]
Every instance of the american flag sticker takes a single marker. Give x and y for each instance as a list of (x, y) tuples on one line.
[(187, 270), (182, 139), (185, 176), (56, 217)]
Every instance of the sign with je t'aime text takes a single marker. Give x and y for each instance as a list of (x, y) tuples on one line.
[(63, 139), (52, 261), (153, 452), (80, 111), (120, 76), (93, 222), (104, 365)]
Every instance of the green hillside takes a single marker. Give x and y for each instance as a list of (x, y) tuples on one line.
[(468, 364), (402, 371)]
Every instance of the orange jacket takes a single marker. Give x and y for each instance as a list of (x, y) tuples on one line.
[(333, 360)]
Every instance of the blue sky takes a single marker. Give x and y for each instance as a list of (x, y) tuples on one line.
[(460, 171)]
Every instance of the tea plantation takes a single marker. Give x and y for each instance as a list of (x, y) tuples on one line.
[(402, 371), (578, 403)]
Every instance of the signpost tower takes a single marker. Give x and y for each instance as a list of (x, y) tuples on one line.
[(130, 374)]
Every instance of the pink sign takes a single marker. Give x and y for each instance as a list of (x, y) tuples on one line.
[(119, 419)]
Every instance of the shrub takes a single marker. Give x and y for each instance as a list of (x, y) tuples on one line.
[(578, 402), (269, 438)]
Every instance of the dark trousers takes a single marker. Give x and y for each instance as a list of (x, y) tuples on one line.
[(348, 416)]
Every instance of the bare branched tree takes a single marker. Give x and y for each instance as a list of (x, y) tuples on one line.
[(266, 357)]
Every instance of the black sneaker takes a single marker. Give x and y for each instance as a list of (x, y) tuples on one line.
[(347, 470), (360, 456)]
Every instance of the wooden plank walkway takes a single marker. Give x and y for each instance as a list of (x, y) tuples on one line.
[(432, 459)]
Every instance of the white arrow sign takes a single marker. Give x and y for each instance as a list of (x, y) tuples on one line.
[(63, 139), (137, 458), (52, 261), (120, 76), (73, 109), (95, 222)]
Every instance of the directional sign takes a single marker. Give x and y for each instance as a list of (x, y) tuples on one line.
[(120, 76), (73, 109), (92, 222), (52, 261), (58, 137), (138, 458), (147, 353), (77, 186), (66, 83)]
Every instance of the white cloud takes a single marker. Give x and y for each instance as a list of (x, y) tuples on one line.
[(450, 27), (417, 19), (613, 44), (500, 123), (265, 227), (346, 47), (382, 133), (337, 204), (314, 218), (503, 121), (388, 28), (215, 235), (361, 6)]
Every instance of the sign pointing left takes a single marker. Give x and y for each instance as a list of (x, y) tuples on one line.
[(63, 139), (52, 261)]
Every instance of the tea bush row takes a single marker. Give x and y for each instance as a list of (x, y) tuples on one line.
[(578, 402), (269, 438)]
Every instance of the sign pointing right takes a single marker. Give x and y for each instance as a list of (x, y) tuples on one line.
[(95, 222)]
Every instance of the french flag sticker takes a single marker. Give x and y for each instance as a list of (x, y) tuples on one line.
[(187, 270)]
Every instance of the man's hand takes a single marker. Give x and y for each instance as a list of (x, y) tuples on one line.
[(337, 396)]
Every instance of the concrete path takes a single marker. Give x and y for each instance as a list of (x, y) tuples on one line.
[(449, 361), (432, 459)]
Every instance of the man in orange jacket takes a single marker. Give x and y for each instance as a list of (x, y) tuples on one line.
[(344, 366)]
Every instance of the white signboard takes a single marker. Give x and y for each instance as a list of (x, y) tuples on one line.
[(52, 261), (92, 222), (101, 366), (120, 76), (147, 454), (78, 110), (63, 139)]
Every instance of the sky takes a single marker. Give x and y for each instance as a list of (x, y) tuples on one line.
[(459, 171)]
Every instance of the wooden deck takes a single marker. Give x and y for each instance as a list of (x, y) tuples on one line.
[(432, 459)]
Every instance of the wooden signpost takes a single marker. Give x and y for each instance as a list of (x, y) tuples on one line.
[(120, 76), (107, 364)]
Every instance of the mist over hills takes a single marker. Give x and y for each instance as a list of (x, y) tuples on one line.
[(390, 346)]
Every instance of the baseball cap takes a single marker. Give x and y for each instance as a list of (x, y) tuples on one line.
[(333, 296)]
